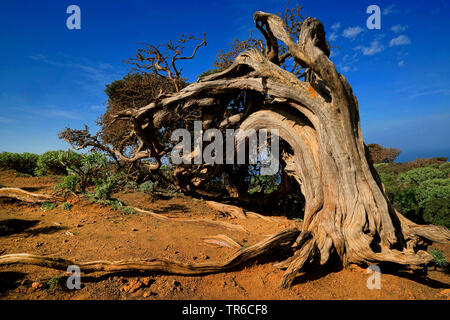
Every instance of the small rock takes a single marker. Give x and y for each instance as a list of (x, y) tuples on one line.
[(205, 257), (39, 244), (146, 281), (176, 286), (194, 258), (65, 240), (132, 286), (69, 233), (445, 292), (134, 229), (37, 285), (79, 225)]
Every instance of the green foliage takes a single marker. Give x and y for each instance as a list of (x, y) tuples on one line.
[(266, 184), (209, 72), (104, 189), (439, 259), (47, 206), (418, 175), (148, 186), (421, 194), (55, 283), (66, 206), (128, 210), (21, 162), (69, 183), (445, 167), (437, 211), (130, 186), (54, 162), (84, 171)]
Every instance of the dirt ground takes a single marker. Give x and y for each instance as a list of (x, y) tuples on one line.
[(93, 232)]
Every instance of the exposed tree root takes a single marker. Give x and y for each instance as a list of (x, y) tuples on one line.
[(22, 195), (222, 241), (232, 211), (285, 237), (235, 211), (223, 224)]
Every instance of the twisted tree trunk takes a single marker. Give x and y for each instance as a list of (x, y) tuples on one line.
[(347, 212)]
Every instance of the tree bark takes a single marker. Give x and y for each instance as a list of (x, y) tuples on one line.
[(346, 210)]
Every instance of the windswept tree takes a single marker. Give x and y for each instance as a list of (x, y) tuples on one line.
[(380, 154), (346, 213)]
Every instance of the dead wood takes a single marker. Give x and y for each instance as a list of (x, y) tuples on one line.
[(22, 195), (240, 257), (222, 224)]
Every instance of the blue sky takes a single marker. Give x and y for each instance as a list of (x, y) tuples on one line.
[(52, 77)]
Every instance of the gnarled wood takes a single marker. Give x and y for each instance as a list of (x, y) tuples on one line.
[(347, 211), (241, 256), (216, 223), (22, 195)]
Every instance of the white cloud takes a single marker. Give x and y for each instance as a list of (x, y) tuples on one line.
[(59, 113), (333, 36), (445, 92), (98, 107), (374, 48), (94, 76), (352, 32), (398, 28), (336, 26), (401, 63), (399, 41), (389, 10)]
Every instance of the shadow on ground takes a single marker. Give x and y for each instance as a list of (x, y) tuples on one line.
[(18, 226)]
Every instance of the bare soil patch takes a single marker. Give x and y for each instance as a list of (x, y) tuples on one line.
[(93, 232)]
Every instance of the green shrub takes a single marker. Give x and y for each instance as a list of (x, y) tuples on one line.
[(21, 162), (418, 175), (130, 186), (421, 194), (66, 206), (433, 189), (104, 189), (128, 210), (148, 186), (83, 171), (69, 183), (55, 283), (52, 162), (47, 206), (437, 211), (439, 259), (260, 183), (445, 167)]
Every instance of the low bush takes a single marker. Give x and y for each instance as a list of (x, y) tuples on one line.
[(21, 162), (421, 194), (69, 183), (66, 206), (148, 186), (55, 162), (439, 259), (47, 206)]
